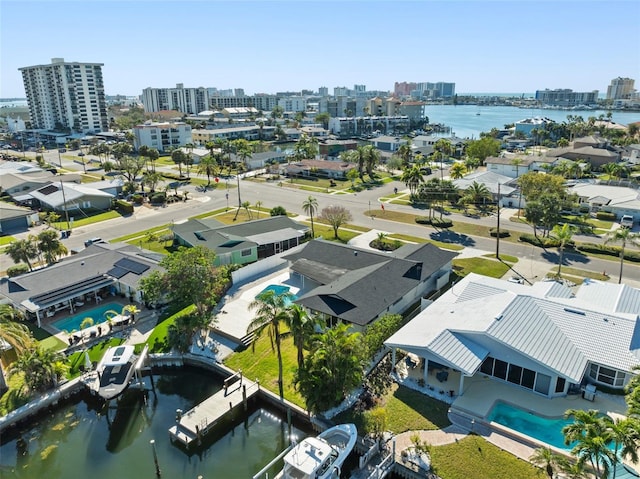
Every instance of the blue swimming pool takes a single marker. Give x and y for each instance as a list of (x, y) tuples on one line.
[(279, 289), (72, 323), (547, 430)]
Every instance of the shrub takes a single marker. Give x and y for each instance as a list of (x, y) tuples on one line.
[(605, 216), (629, 255), (124, 207), (540, 241), (423, 220), (385, 245), (278, 211), (158, 197), (17, 270), (503, 233), (436, 222)]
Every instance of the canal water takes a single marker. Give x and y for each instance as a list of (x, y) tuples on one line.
[(83, 440), (468, 121)]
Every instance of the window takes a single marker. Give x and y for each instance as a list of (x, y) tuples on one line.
[(560, 383), (528, 378), (245, 252), (487, 366), (542, 384), (515, 373), (606, 375), (500, 369)]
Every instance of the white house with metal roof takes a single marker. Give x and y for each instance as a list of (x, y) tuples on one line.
[(541, 337)]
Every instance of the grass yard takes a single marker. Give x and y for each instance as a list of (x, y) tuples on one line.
[(262, 364), (77, 359), (6, 240), (473, 457), (486, 267), (327, 233), (157, 340), (416, 239), (581, 274), (504, 257), (108, 215)]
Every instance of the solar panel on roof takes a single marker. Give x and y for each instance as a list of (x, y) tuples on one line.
[(47, 190), (131, 265), (117, 272)]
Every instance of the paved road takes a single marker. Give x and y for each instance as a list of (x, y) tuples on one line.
[(358, 204)]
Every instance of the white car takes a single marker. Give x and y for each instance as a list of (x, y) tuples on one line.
[(626, 221)]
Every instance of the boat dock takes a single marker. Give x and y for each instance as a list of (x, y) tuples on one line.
[(193, 425)]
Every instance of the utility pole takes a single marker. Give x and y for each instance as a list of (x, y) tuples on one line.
[(498, 228), (64, 201)]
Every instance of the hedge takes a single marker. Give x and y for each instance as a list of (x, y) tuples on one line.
[(159, 197), (503, 233), (124, 207), (605, 216), (17, 270), (540, 241), (436, 222), (633, 256)]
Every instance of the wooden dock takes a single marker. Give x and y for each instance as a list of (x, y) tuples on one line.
[(193, 425)]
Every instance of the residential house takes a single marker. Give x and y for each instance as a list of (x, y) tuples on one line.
[(241, 243), (388, 143), (71, 197), (527, 125), (15, 218), (95, 273), (262, 159), (318, 168), (591, 149), (539, 338), (357, 286), (502, 188), (613, 199), (510, 166), (333, 148)]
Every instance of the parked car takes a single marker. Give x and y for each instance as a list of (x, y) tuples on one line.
[(626, 221)]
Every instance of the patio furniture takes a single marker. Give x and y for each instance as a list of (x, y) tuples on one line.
[(50, 313), (442, 376)]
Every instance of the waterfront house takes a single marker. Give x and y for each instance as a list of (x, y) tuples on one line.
[(318, 168), (241, 243), (357, 286), (100, 270), (540, 338), (612, 199)]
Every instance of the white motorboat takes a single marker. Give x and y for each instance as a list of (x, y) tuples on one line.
[(320, 457), (115, 370)]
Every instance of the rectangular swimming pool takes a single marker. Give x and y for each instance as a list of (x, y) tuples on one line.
[(98, 314)]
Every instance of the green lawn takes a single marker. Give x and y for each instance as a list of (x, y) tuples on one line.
[(262, 364), (77, 359), (140, 234), (504, 257), (475, 458), (486, 267), (327, 233), (157, 340), (5, 240), (417, 239), (77, 222)]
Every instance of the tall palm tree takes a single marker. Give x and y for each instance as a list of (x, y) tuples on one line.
[(310, 206), (50, 245), (178, 157), (591, 437), (207, 166), (23, 250), (563, 234), (611, 169), (302, 327), (546, 459), (405, 153), (457, 171), (477, 193), (270, 309), (624, 236), (372, 159)]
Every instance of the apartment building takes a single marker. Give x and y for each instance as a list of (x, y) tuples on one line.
[(620, 89), (185, 100), (66, 95), (162, 136), (566, 97)]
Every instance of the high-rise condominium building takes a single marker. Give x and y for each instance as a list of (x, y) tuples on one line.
[(620, 88), (66, 95)]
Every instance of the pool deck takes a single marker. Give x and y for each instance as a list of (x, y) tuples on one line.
[(233, 315)]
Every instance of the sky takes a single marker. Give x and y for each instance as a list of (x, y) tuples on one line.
[(269, 46)]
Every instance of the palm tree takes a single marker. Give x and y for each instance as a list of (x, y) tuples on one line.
[(457, 171), (51, 246), (258, 207), (477, 193), (412, 177), (372, 159), (563, 234), (591, 437), (41, 368), (270, 311), (625, 434), (624, 236), (405, 153), (359, 156), (611, 169), (207, 166), (178, 157), (23, 250), (310, 206), (546, 459), (13, 333), (151, 179), (302, 326)]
